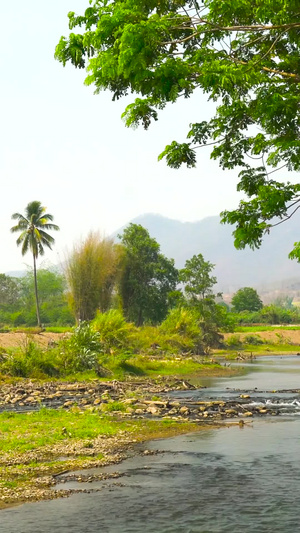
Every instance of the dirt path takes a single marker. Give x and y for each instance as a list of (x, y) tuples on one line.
[(19, 340)]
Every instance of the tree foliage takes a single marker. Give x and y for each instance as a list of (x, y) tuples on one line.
[(197, 278), (198, 287), (244, 54), (147, 279), (9, 291), (52, 287), (246, 299), (17, 300)]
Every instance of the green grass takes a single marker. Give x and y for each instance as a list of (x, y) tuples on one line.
[(25, 432), (58, 329), (21, 433), (262, 349), (23, 436), (145, 366), (254, 329)]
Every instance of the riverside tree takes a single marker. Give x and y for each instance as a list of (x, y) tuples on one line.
[(148, 277), (246, 299), (33, 237), (197, 278), (198, 287), (244, 54)]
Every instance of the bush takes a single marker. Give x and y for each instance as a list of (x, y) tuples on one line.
[(182, 326), (255, 340), (80, 351), (113, 332), (234, 341), (29, 361)]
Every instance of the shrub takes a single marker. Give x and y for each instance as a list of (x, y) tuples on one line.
[(80, 351), (182, 325), (29, 361), (234, 341), (113, 332), (255, 340)]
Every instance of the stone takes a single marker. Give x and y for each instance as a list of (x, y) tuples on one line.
[(153, 410), (68, 404), (97, 401), (184, 410)]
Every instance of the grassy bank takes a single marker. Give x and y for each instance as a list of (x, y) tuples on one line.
[(262, 340), (253, 350), (36, 447), (255, 329)]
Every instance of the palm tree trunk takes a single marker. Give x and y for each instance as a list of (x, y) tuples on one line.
[(36, 294)]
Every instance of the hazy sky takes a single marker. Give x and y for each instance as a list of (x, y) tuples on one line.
[(68, 148)]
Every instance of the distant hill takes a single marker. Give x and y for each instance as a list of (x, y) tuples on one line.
[(16, 273), (265, 269)]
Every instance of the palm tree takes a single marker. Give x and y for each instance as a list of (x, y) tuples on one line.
[(33, 237)]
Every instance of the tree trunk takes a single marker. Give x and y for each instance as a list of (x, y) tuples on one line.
[(36, 294)]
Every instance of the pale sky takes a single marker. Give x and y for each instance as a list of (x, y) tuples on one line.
[(69, 149)]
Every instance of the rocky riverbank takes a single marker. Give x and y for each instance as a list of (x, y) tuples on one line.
[(127, 399), (136, 410)]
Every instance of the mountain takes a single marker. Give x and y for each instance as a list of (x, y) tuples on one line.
[(265, 269)]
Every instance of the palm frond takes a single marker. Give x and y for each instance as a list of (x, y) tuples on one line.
[(19, 227), (25, 244), (41, 248), (32, 227), (34, 209), (48, 216), (18, 216), (49, 226), (21, 238), (46, 237)]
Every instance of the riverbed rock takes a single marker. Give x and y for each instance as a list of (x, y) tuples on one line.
[(97, 401), (153, 410), (230, 411), (139, 411), (184, 411)]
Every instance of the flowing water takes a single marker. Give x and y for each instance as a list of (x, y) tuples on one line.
[(237, 479)]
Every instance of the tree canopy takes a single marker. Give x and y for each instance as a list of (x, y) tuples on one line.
[(148, 277), (246, 299), (244, 54), (9, 290), (197, 278)]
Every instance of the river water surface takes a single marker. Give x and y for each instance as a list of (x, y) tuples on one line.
[(232, 479)]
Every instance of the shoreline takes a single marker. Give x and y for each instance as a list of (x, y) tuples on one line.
[(98, 424)]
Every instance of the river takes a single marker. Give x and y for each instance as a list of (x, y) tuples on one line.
[(233, 479)]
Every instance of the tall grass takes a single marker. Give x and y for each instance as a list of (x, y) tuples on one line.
[(91, 271)]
